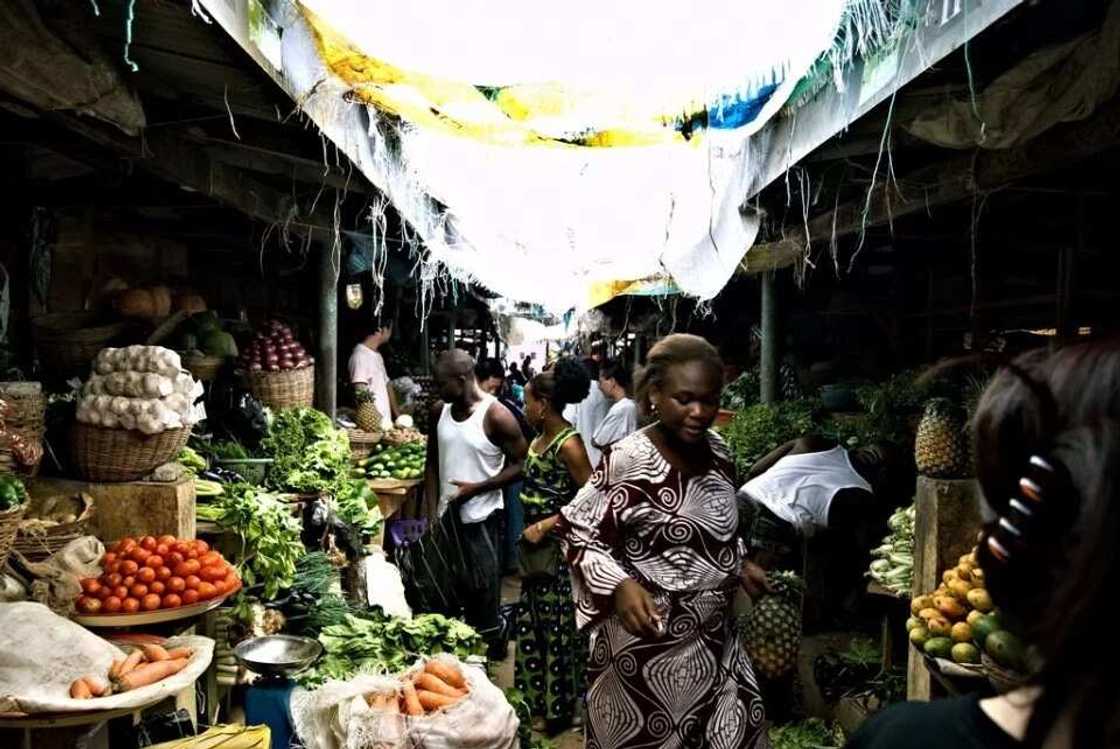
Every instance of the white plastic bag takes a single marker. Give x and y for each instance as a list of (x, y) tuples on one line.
[(384, 586), (336, 716)]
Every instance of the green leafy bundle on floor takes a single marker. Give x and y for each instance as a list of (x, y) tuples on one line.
[(807, 734)]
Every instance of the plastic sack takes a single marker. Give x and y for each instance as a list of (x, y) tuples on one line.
[(336, 716), (383, 585), (42, 653)]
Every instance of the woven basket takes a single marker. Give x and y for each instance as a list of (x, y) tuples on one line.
[(361, 443), (292, 388), (36, 543), (26, 408), (203, 368), (102, 454), (9, 524), (68, 341)]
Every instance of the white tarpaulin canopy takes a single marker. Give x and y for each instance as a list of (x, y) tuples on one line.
[(550, 152)]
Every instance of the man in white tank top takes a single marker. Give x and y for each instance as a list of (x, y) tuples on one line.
[(475, 449)]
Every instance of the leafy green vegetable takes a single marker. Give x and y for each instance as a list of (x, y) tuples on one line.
[(757, 430), (357, 505), (744, 391), (191, 460), (374, 642), (309, 454), (270, 535), (520, 704), (12, 492), (230, 450), (807, 734)]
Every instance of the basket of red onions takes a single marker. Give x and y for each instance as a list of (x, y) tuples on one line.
[(281, 374)]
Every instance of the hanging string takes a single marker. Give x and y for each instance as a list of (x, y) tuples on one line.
[(130, 16)]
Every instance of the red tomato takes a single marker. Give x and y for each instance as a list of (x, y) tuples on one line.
[(220, 588), (103, 592), (172, 601), (182, 547), (139, 590), (163, 574), (167, 539), (191, 554), (111, 605), (157, 587), (90, 585), (108, 559), (189, 567), (149, 542), (174, 558), (129, 581), (163, 550), (146, 575), (112, 580), (189, 597), (139, 554), (129, 567), (206, 591), (125, 545), (89, 605), (192, 582), (213, 573), (114, 567), (201, 546), (120, 591), (209, 558), (130, 605), (151, 601), (176, 584), (155, 561), (232, 580)]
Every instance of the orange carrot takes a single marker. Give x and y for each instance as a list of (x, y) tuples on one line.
[(412, 705), (449, 674), (115, 669), (150, 673), (180, 653), (392, 705), (79, 690), (432, 701), (433, 683), (132, 661), (98, 687), (155, 653)]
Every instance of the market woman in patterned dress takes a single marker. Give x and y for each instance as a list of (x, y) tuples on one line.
[(655, 563), (550, 658)]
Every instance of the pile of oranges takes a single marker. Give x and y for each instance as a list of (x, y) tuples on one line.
[(152, 573)]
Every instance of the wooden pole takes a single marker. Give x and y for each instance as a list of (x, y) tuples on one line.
[(327, 365), (769, 364)]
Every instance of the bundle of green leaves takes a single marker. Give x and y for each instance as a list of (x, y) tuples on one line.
[(309, 455), (269, 533), (758, 429), (372, 642)]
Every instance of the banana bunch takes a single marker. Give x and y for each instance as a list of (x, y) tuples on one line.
[(892, 564)]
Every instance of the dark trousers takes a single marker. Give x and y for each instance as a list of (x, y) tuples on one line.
[(482, 543)]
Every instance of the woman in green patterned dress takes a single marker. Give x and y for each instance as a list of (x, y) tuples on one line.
[(550, 655)]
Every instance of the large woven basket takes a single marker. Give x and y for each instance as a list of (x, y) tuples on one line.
[(24, 417), (292, 388), (68, 341), (37, 542), (102, 454), (204, 367), (9, 525)]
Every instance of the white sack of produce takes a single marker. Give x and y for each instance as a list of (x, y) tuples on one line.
[(339, 715), (42, 654)]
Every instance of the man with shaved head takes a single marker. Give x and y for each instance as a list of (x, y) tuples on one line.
[(475, 449)]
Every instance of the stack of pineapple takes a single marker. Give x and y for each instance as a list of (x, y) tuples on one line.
[(942, 447), (772, 629), (367, 417), (943, 621)]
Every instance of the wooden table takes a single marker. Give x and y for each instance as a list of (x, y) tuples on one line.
[(888, 626)]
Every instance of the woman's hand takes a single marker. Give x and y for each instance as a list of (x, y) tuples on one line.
[(752, 579), (636, 609), (534, 534)]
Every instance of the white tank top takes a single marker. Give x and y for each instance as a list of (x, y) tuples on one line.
[(467, 454), (799, 488)]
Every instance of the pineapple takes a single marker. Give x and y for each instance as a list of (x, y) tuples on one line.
[(941, 447), (772, 629), (367, 416)]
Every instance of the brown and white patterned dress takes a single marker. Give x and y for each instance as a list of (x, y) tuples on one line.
[(640, 517)]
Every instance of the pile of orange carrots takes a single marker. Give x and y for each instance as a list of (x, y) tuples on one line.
[(436, 686), (147, 664)]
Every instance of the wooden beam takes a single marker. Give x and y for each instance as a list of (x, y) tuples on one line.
[(180, 162), (956, 179), (772, 256), (297, 168)]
